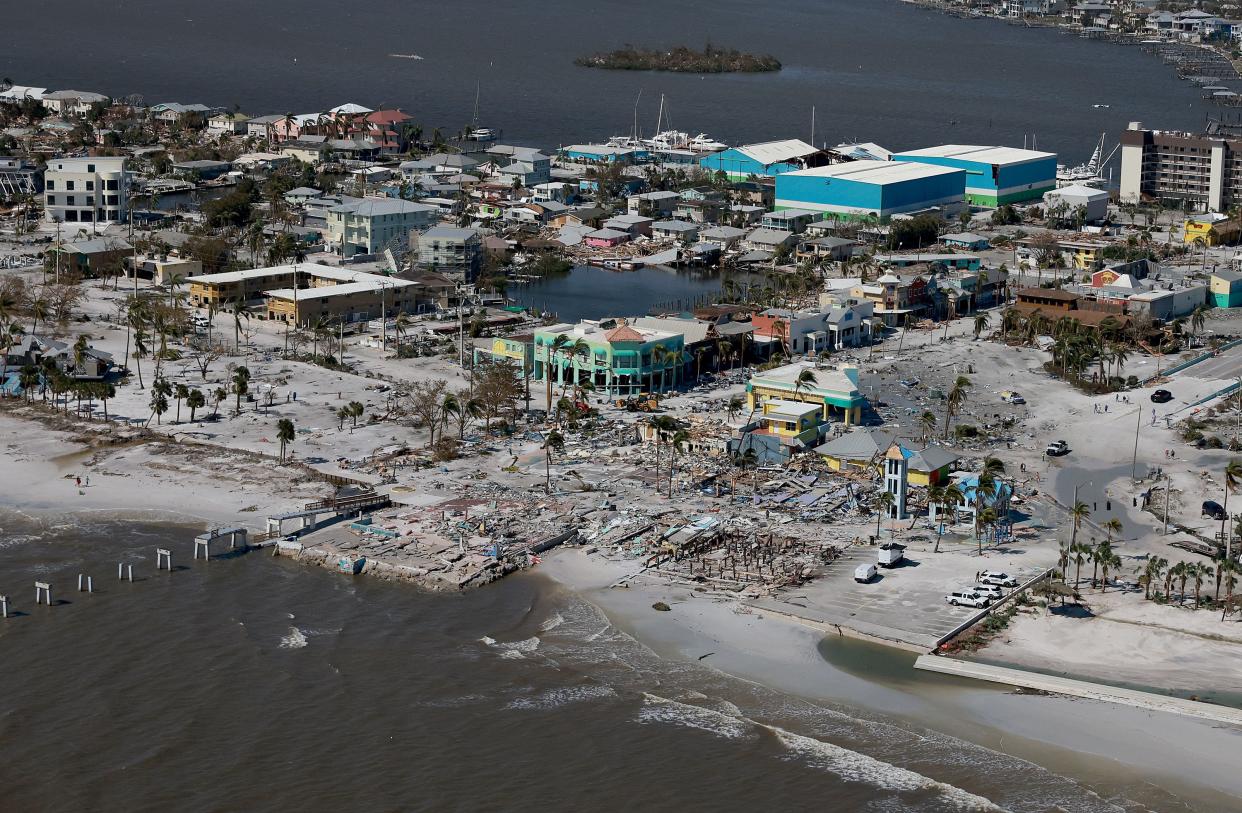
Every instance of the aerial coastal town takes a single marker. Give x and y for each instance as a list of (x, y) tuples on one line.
[(971, 401)]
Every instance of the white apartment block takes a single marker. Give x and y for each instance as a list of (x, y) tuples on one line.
[(369, 225), (85, 190)]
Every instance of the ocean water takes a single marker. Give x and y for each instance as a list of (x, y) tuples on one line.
[(874, 70), (257, 684)]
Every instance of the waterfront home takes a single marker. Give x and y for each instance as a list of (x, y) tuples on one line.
[(19, 177), (769, 240), (227, 124), (791, 220), (652, 204), (81, 364), (616, 358), (263, 126), (864, 449), (726, 238), (261, 162), (19, 93), (606, 238), (829, 248), (173, 112), (767, 159), (834, 391), (311, 149), (73, 102), (678, 230), (634, 225), (589, 216), (370, 225), (201, 169), (809, 332)]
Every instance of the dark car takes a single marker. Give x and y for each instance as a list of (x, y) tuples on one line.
[(1161, 397), (1213, 509)]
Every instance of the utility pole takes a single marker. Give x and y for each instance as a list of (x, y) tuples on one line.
[(383, 286), (1168, 486), (1138, 423)]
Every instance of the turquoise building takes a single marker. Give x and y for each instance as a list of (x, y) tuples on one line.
[(872, 189), (994, 175), (617, 360), (768, 159)]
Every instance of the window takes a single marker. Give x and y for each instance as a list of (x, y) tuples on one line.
[(90, 167), (69, 185), (71, 216), (51, 200), (51, 185), (112, 186), (69, 201), (90, 186)]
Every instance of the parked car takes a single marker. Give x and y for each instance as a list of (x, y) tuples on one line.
[(1057, 448), (997, 578), (1011, 397), (1214, 510), (1161, 397), (990, 590), (864, 573), (968, 599)]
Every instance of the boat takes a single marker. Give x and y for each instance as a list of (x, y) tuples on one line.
[(482, 134), (671, 139), (1087, 174), (405, 56)]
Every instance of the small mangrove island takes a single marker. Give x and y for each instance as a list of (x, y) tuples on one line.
[(681, 60)]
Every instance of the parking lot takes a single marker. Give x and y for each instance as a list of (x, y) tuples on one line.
[(905, 604)]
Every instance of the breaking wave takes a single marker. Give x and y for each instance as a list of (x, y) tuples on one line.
[(296, 639)]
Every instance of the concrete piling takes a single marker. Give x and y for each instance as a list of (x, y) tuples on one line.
[(163, 557), (4, 606), (43, 593)]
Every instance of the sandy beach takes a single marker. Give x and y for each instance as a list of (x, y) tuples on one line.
[(1127, 750)]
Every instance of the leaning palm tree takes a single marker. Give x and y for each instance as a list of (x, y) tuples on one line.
[(662, 426), (735, 406), (551, 351), (1113, 526), (927, 424), (1078, 513), (285, 434), (239, 312), (957, 397), (806, 378), (1110, 562), (677, 444), (1233, 476), (982, 320)]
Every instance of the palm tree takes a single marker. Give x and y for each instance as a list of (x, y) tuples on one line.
[(551, 351), (355, 409), (140, 351), (195, 401), (1181, 572), (927, 424), (982, 320), (1110, 562), (806, 378), (241, 384), (1078, 513), (662, 426), (1201, 572), (553, 442), (1099, 554), (985, 490), (957, 397), (735, 406), (285, 434), (1231, 569), (239, 312), (1113, 526), (1233, 476), (1152, 573)]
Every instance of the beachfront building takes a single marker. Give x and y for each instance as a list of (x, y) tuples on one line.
[(87, 364), (516, 350), (864, 449), (1091, 202), (834, 389), (809, 332), (1211, 229), (1199, 172), (615, 357), (994, 175), (765, 160), (873, 189), (780, 430), (86, 190), (370, 225)]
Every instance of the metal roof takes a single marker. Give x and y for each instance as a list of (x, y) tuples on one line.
[(876, 172), (983, 155), (774, 152)]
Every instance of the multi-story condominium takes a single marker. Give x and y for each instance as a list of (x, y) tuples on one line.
[(1201, 172), (370, 225), (445, 248), (85, 190)]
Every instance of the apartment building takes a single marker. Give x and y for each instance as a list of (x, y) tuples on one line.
[(1201, 172), (445, 248), (370, 225), (85, 190)]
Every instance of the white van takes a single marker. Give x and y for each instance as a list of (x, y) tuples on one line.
[(864, 573)]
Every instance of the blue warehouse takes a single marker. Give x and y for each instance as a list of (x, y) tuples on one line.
[(873, 189), (764, 160), (994, 175)]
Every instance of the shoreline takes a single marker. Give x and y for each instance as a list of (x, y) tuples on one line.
[(1071, 736)]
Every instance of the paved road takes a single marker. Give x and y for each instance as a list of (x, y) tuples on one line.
[(1228, 365)]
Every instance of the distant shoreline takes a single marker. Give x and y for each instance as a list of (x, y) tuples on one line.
[(681, 59)]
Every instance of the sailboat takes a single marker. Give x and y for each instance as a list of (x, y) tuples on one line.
[(1087, 174), (477, 133), (671, 139)]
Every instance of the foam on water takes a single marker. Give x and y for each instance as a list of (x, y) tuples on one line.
[(552, 623), (656, 709), (856, 767), (296, 639), (555, 698)]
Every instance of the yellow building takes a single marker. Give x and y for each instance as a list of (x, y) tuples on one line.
[(791, 419), (1211, 229), (864, 449), (834, 390)]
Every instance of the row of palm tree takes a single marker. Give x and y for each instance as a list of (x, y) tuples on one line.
[(668, 431)]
